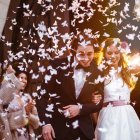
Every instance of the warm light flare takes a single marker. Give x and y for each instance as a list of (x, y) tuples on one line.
[(134, 61)]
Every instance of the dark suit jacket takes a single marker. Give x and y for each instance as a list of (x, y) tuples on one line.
[(62, 92), (135, 97)]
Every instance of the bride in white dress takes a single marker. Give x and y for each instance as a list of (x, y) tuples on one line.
[(117, 119)]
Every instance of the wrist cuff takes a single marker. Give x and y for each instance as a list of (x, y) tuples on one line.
[(80, 106)]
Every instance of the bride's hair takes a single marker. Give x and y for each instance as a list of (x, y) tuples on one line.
[(125, 74)]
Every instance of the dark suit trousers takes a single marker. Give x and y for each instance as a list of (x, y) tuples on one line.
[(76, 134)]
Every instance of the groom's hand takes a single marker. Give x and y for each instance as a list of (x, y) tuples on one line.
[(48, 132), (71, 111)]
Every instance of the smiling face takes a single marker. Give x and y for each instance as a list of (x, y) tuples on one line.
[(23, 78), (84, 55), (112, 53)]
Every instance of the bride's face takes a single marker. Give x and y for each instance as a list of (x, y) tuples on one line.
[(113, 54)]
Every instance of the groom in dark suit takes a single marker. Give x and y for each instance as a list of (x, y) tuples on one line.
[(67, 107)]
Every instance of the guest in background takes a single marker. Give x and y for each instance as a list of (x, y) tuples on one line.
[(9, 85)]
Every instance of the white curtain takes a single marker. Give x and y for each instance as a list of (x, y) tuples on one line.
[(4, 5)]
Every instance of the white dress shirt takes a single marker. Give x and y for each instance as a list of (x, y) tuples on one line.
[(79, 79)]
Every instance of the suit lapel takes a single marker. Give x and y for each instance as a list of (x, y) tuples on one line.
[(71, 85), (85, 87), (68, 83)]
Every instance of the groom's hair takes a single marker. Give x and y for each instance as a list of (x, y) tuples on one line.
[(84, 39)]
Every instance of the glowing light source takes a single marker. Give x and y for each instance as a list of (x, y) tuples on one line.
[(134, 61)]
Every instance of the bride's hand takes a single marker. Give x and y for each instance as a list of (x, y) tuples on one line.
[(96, 98)]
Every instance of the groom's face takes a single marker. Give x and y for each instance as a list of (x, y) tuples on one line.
[(84, 55)]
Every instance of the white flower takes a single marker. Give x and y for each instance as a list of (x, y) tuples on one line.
[(112, 71), (43, 91), (47, 78), (21, 130), (58, 81), (42, 31), (130, 36), (126, 7), (67, 125), (60, 110), (65, 37), (64, 24), (48, 115), (75, 124), (26, 6), (42, 69), (84, 43), (32, 135), (34, 94), (35, 76), (53, 95), (106, 34), (38, 88), (50, 108), (101, 67), (99, 79), (17, 117)]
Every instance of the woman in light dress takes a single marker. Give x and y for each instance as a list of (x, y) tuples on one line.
[(8, 86), (23, 116), (117, 119)]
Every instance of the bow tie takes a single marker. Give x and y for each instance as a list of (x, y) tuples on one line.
[(86, 69)]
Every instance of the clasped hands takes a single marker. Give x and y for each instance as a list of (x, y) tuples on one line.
[(72, 111), (96, 97), (29, 107)]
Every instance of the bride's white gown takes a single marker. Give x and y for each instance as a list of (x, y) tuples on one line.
[(119, 122)]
